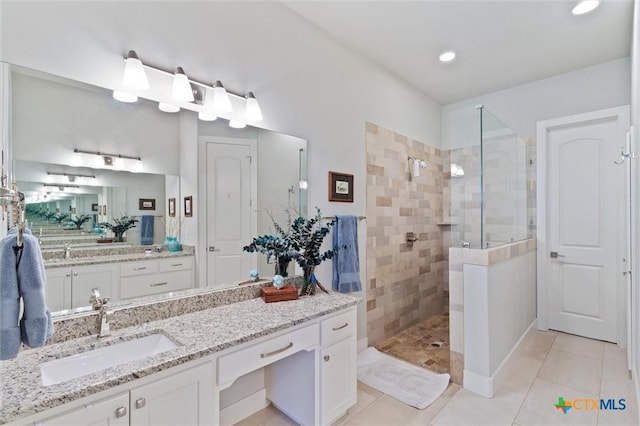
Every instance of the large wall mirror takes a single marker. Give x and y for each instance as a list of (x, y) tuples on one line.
[(51, 116)]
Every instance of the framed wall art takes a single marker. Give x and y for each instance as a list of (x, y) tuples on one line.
[(172, 207), (146, 204), (340, 187), (188, 206)]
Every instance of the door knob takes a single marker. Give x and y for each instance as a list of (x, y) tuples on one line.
[(212, 248), (555, 255)]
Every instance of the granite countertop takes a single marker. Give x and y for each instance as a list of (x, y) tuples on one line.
[(199, 333), (114, 258)]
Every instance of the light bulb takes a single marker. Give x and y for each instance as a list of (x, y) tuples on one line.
[(585, 6), (182, 90), (252, 112), (118, 163), (236, 124), (98, 161), (168, 107), (207, 116), (124, 97), (447, 56), (221, 102), (134, 76), (138, 165)]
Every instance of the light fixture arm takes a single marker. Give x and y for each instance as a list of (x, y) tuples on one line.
[(103, 154)]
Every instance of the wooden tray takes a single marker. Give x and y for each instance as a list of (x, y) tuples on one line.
[(104, 240), (272, 294)]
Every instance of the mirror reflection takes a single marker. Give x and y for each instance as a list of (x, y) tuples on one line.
[(129, 166)]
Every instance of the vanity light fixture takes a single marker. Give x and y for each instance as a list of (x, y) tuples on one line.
[(447, 56), (585, 6), (182, 90), (71, 176), (60, 186), (252, 111), (237, 124), (168, 107), (206, 116), (109, 160), (134, 76)]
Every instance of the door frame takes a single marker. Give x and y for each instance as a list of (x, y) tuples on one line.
[(202, 193), (621, 115)]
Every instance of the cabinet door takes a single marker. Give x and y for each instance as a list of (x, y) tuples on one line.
[(182, 399), (338, 379), (58, 288), (112, 411), (85, 278)]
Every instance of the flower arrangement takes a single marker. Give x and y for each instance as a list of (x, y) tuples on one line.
[(172, 226), (301, 243), (80, 220), (119, 227)]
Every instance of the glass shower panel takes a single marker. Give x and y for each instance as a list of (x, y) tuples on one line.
[(504, 183)]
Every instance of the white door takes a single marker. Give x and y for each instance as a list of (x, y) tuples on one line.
[(584, 197), (228, 213)]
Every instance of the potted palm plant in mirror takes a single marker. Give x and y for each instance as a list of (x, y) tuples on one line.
[(80, 220), (302, 244), (119, 227)]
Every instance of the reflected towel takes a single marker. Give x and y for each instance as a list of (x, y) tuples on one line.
[(146, 230), (346, 264)]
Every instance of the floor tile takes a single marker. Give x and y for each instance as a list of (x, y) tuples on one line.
[(579, 345), (576, 371), (363, 401), (539, 406), (467, 408), (371, 391), (614, 365), (616, 389), (521, 375), (536, 344), (385, 411)]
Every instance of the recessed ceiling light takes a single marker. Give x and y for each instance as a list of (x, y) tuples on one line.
[(585, 6), (447, 56)]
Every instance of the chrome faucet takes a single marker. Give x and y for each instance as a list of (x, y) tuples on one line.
[(104, 316), (67, 251)]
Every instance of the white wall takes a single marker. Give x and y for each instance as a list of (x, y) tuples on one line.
[(589, 89), (635, 168)]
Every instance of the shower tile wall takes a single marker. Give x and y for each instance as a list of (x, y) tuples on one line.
[(404, 285)]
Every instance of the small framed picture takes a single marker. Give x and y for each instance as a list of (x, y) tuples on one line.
[(146, 204), (104, 209), (188, 206), (95, 208), (340, 187), (172, 207)]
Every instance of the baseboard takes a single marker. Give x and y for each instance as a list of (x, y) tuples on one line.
[(363, 344), (244, 408), (488, 386)]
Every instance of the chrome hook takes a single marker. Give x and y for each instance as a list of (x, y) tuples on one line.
[(624, 156)]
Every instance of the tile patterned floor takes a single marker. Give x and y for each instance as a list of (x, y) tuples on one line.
[(425, 344), (547, 365)]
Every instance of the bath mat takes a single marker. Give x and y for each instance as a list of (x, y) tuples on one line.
[(405, 382)]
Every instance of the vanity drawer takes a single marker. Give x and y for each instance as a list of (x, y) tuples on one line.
[(177, 264), (145, 285), (129, 269), (338, 327), (235, 364)]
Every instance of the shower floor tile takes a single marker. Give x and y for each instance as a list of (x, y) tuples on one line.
[(425, 344)]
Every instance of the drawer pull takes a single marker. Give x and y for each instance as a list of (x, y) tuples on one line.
[(176, 264), (277, 351), (346, 324), (140, 402), (140, 269), (121, 412), (158, 284)]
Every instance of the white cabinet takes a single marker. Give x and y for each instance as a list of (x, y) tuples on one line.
[(113, 411), (68, 288), (155, 276), (338, 366), (183, 398)]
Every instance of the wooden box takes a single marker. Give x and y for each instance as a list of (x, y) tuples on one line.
[(272, 294)]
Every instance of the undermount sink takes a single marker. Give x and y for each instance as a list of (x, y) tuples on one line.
[(74, 366)]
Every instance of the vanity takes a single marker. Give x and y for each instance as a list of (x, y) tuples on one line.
[(300, 353)]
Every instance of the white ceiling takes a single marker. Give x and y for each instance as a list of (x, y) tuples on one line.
[(499, 44)]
